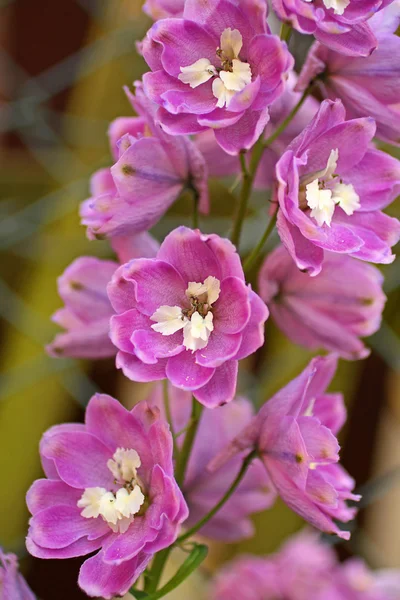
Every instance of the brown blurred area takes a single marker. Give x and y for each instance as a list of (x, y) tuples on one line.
[(62, 68)]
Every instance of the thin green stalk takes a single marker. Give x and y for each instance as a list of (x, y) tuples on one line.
[(195, 218), (252, 258), (168, 414), (288, 119), (157, 568), (286, 32), (187, 446), (221, 503), (248, 176)]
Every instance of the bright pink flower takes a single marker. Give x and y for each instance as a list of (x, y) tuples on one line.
[(187, 316), (202, 489), (339, 24), (367, 86), (111, 489), (332, 310), (294, 435), (152, 169), (87, 312), (217, 67), (332, 185), (12, 585)]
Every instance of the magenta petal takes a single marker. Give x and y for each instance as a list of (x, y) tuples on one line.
[(358, 41), (244, 134), (222, 386), (306, 255), (45, 493), (136, 370), (185, 373), (253, 333), (141, 245), (128, 545), (80, 458), (150, 345), (123, 325), (232, 309), (79, 548), (60, 526), (97, 578), (220, 348)]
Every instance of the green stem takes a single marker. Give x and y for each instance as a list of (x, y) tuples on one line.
[(286, 32), (221, 503), (252, 258), (195, 218), (184, 454), (248, 176), (168, 414), (154, 576), (288, 119)]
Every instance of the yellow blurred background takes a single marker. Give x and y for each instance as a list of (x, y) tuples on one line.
[(62, 68)]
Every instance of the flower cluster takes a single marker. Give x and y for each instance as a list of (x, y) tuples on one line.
[(221, 99)]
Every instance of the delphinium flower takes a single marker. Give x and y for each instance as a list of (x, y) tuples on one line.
[(217, 67), (294, 435), (339, 24), (12, 585), (186, 315), (367, 86), (332, 310), (332, 185), (304, 568), (220, 164), (152, 169), (87, 312), (110, 488), (202, 489)]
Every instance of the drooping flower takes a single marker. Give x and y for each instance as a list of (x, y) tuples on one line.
[(339, 24), (304, 568), (187, 316), (331, 187), (367, 86), (294, 435), (12, 585), (161, 9), (152, 169), (220, 164), (111, 489), (218, 67), (332, 310), (87, 312), (202, 489)]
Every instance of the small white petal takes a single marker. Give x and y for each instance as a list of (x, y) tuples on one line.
[(195, 290), (213, 288), (90, 502), (339, 6), (346, 196), (169, 320), (124, 464), (231, 43), (197, 331), (321, 203), (129, 504), (223, 95), (199, 72), (237, 79), (107, 508)]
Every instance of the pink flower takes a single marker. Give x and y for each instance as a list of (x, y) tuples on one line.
[(217, 67), (87, 312), (332, 310), (152, 169), (186, 315), (332, 187), (339, 24), (367, 86), (202, 489), (110, 489), (12, 585), (294, 434)]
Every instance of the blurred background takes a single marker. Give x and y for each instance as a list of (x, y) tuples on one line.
[(62, 68)]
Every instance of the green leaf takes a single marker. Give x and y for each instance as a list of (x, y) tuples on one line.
[(193, 561)]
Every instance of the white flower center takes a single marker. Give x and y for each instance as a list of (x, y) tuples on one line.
[(325, 191), (230, 78), (117, 509), (196, 321), (338, 6)]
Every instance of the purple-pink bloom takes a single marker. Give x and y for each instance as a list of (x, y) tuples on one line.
[(294, 435), (217, 67), (12, 585), (367, 86), (339, 24), (202, 489), (187, 316), (87, 312), (332, 310), (332, 185), (161, 9), (110, 488), (152, 169)]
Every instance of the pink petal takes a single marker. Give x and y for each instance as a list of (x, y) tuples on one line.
[(222, 386)]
